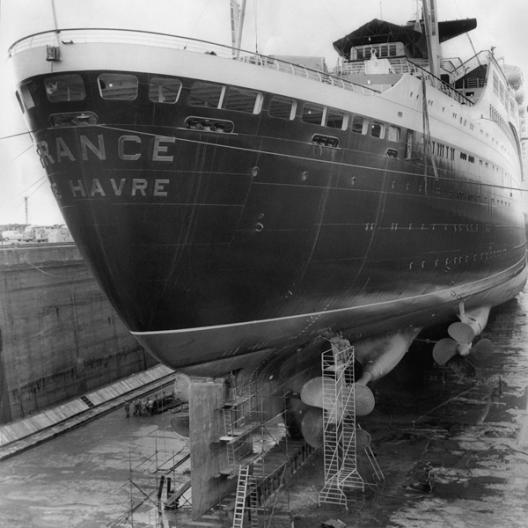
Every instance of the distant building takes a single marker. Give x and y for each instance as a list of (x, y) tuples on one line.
[(19, 234), (59, 234), (12, 236)]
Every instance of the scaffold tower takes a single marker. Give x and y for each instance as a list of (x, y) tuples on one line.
[(339, 424), (240, 418)]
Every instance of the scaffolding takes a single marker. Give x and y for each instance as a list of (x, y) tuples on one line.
[(155, 484), (240, 417), (259, 476), (340, 430)]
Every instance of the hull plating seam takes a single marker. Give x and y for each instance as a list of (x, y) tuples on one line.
[(293, 156), (451, 291)]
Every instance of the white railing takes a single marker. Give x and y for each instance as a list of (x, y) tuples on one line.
[(415, 67), (125, 36), (398, 66)]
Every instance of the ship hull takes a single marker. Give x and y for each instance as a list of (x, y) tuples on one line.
[(216, 247)]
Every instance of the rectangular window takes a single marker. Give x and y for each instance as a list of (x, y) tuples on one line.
[(393, 133), (240, 100), (409, 144), (384, 50), (205, 94), (19, 100), (68, 87), (358, 125), (281, 107), (118, 86), (164, 90), (463, 156), (312, 114), (392, 50), (334, 119), (377, 130), (27, 98), (471, 159), (359, 52)]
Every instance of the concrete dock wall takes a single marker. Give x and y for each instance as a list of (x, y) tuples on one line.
[(59, 335)]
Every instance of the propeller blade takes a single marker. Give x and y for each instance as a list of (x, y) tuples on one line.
[(484, 346), (312, 392), (462, 333), (444, 350), (312, 427), (363, 439), (365, 400)]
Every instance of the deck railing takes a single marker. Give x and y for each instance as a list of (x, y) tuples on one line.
[(398, 66), (402, 65), (128, 36)]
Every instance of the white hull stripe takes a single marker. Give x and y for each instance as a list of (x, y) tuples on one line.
[(451, 291)]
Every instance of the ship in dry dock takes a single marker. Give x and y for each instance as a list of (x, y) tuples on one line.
[(235, 207)]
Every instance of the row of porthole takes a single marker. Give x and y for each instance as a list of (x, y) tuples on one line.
[(463, 121), (456, 261), (467, 228), (352, 181), (458, 195), (456, 228)]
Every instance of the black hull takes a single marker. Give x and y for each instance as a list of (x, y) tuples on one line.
[(214, 245)]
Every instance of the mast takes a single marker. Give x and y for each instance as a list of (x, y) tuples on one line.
[(237, 25), (431, 33)]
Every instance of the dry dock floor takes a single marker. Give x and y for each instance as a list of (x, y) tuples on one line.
[(469, 421)]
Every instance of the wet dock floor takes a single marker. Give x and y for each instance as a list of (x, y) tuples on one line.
[(80, 479), (468, 421)]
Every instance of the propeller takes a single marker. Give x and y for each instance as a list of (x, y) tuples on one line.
[(444, 350), (461, 343), (447, 348), (312, 394), (312, 430), (462, 334)]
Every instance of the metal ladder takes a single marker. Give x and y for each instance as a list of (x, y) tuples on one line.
[(241, 494)]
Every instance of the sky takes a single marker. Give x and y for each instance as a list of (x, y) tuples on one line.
[(287, 27)]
